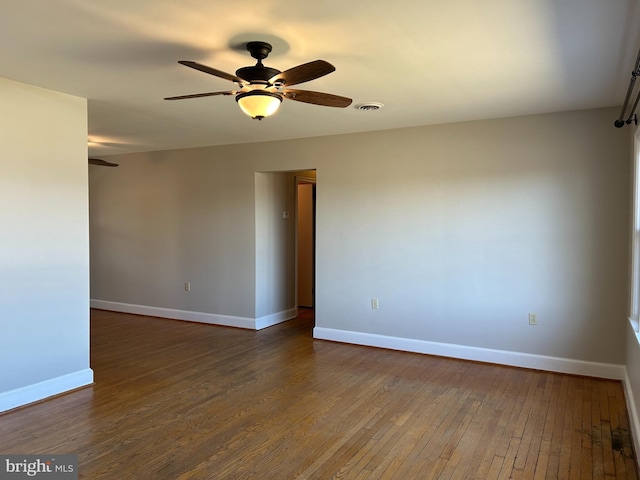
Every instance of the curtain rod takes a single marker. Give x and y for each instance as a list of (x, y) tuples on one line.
[(621, 122)]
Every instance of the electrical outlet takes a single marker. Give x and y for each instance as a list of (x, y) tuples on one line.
[(187, 286), (374, 303), (533, 319)]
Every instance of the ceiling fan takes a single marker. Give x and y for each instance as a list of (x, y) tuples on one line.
[(261, 89), (102, 163)]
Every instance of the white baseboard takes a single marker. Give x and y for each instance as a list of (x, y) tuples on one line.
[(211, 318), (275, 318), (48, 388), (502, 357), (214, 319)]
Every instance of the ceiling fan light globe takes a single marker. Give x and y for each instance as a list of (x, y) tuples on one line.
[(259, 104)]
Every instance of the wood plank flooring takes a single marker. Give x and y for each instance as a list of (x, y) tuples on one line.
[(179, 400)]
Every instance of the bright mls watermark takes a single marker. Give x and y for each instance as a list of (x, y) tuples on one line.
[(49, 467)]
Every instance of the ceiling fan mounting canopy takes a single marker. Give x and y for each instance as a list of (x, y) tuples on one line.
[(269, 83), (259, 50)]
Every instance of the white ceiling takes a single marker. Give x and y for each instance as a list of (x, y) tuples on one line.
[(427, 61)]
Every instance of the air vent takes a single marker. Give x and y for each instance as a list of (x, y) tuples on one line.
[(369, 106)]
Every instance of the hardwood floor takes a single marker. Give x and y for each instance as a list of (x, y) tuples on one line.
[(178, 400)]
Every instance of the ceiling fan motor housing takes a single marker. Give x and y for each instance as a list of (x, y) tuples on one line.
[(257, 73)]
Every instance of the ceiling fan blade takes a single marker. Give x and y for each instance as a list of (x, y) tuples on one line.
[(317, 98), (102, 163), (303, 73), (211, 71), (198, 95)]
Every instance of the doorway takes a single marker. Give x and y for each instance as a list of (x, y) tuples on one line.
[(305, 240)]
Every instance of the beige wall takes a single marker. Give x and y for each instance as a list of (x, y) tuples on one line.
[(460, 230), (275, 244), (44, 244), (165, 218)]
